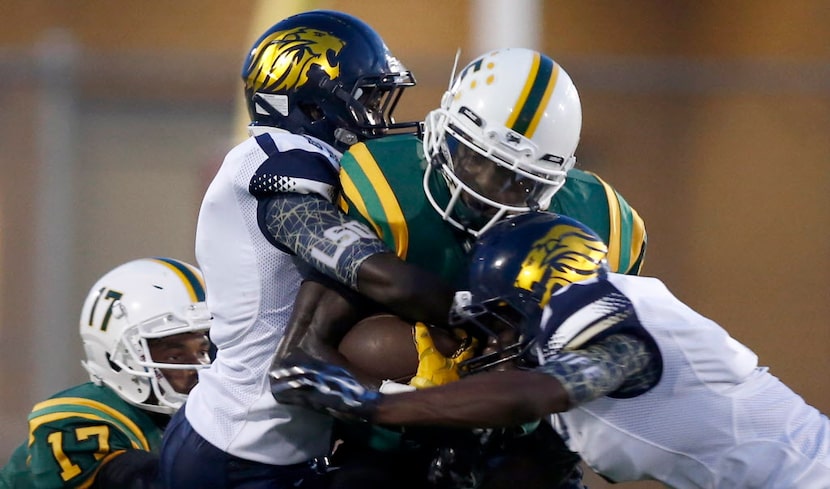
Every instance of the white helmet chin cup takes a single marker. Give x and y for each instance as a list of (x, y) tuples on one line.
[(134, 303), (516, 108)]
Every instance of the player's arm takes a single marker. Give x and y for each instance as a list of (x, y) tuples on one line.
[(350, 253), (323, 313), (295, 188), (490, 399), (498, 399), (130, 469)]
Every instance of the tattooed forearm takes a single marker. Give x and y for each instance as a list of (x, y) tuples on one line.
[(617, 362), (319, 234)]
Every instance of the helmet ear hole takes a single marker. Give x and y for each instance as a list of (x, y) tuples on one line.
[(114, 366)]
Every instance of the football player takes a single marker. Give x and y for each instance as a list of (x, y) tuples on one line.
[(476, 157), (502, 142), (315, 84), (615, 363), (144, 329)]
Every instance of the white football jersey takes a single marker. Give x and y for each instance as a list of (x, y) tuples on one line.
[(251, 286), (714, 420)]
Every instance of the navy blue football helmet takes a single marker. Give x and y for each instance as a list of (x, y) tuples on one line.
[(328, 75), (515, 267)]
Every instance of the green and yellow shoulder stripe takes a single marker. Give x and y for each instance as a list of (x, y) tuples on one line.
[(382, 183), (589, 199)]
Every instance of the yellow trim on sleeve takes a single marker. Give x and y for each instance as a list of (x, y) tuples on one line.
[(350, 190), (388, 199)]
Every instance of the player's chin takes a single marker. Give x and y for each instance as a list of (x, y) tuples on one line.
[(183, 386)]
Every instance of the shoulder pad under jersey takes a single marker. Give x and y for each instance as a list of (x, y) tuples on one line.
[(295, 164), (584, 312), (590, 200)]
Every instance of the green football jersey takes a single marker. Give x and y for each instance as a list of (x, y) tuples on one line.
[(590, 200), (382, 187), (15, 474), (73, 433)]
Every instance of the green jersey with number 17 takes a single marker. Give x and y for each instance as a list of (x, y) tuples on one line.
[(75, 432)]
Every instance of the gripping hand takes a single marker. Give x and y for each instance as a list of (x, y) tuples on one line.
[(433, 367), (323, 387)]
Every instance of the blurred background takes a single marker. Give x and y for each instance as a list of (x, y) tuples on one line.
[(712, 118)]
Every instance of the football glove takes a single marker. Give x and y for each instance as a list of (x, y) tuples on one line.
[(325, 388), (433, 367)]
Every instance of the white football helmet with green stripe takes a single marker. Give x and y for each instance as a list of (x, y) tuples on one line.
[(125, 311), (503, 138)]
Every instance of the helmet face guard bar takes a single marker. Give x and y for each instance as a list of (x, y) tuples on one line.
[(365, 112), (491, 174), (489, 323), (489, 361), (371, 102), (377, 97), (135, 340)]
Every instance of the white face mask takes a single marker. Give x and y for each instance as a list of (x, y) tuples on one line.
[(486, 185)]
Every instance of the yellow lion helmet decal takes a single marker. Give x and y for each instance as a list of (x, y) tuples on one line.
[(567, 253), (281, 60)]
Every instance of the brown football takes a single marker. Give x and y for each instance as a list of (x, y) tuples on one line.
[(382, 346)]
